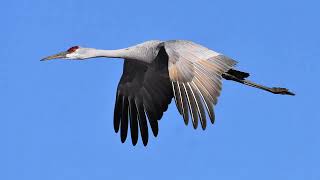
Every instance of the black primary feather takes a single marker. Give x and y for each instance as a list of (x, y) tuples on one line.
[(147, 90)]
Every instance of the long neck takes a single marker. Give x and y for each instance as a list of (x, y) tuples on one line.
[(145, 52), (119, 53)]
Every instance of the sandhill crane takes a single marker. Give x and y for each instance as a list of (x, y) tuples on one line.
[(155, 72)]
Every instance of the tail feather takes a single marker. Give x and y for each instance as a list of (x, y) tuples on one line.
[(238, 74)]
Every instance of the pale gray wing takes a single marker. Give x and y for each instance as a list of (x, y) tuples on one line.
[(195, 72)]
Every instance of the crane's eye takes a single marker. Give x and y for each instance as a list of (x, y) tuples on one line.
[(73, 49)]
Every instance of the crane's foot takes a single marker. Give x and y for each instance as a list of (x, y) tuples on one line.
[(283, 91)]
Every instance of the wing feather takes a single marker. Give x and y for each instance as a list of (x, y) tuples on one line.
[(177, 96), (184, 103), (143, 94), (133, 122), (117, 112), (124, 120), (153, 123), (142, 122), (199, 71), (191, 105), (187, 71), (199, 106), (206, 101)]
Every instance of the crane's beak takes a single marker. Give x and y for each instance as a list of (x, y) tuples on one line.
[(60, 55)]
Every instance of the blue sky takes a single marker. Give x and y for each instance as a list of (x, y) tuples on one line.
[(56, 117)]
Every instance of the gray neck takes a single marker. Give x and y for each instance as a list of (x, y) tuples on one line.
[(144, 55), (119, 53), (145, 52)]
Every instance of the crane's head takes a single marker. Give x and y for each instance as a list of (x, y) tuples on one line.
[(75, 52)]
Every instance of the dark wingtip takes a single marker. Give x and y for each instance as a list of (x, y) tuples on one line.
[(145, 142), (123, 139), (134, 143), (156, 134)]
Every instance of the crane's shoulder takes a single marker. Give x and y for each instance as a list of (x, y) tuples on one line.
[(149, 43), (169, 43), (173, 44), (184, 49), (181, 43), (182, 46)]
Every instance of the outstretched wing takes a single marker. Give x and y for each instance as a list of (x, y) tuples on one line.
[(143, 94), (195, 72)]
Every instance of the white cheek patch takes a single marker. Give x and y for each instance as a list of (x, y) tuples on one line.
[(72, 56)]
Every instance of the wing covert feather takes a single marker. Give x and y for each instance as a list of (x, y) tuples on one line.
[(199, 71)]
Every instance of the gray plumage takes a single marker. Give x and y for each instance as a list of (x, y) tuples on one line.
[(156, 71)]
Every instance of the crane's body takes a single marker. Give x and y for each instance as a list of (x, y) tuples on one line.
[(157, 71)]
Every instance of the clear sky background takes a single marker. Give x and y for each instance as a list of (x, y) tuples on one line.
[(56, 117)]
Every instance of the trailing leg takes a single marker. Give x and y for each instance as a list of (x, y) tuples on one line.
[(239, 77)]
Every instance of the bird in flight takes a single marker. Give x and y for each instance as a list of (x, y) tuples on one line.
[(156, 71)]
